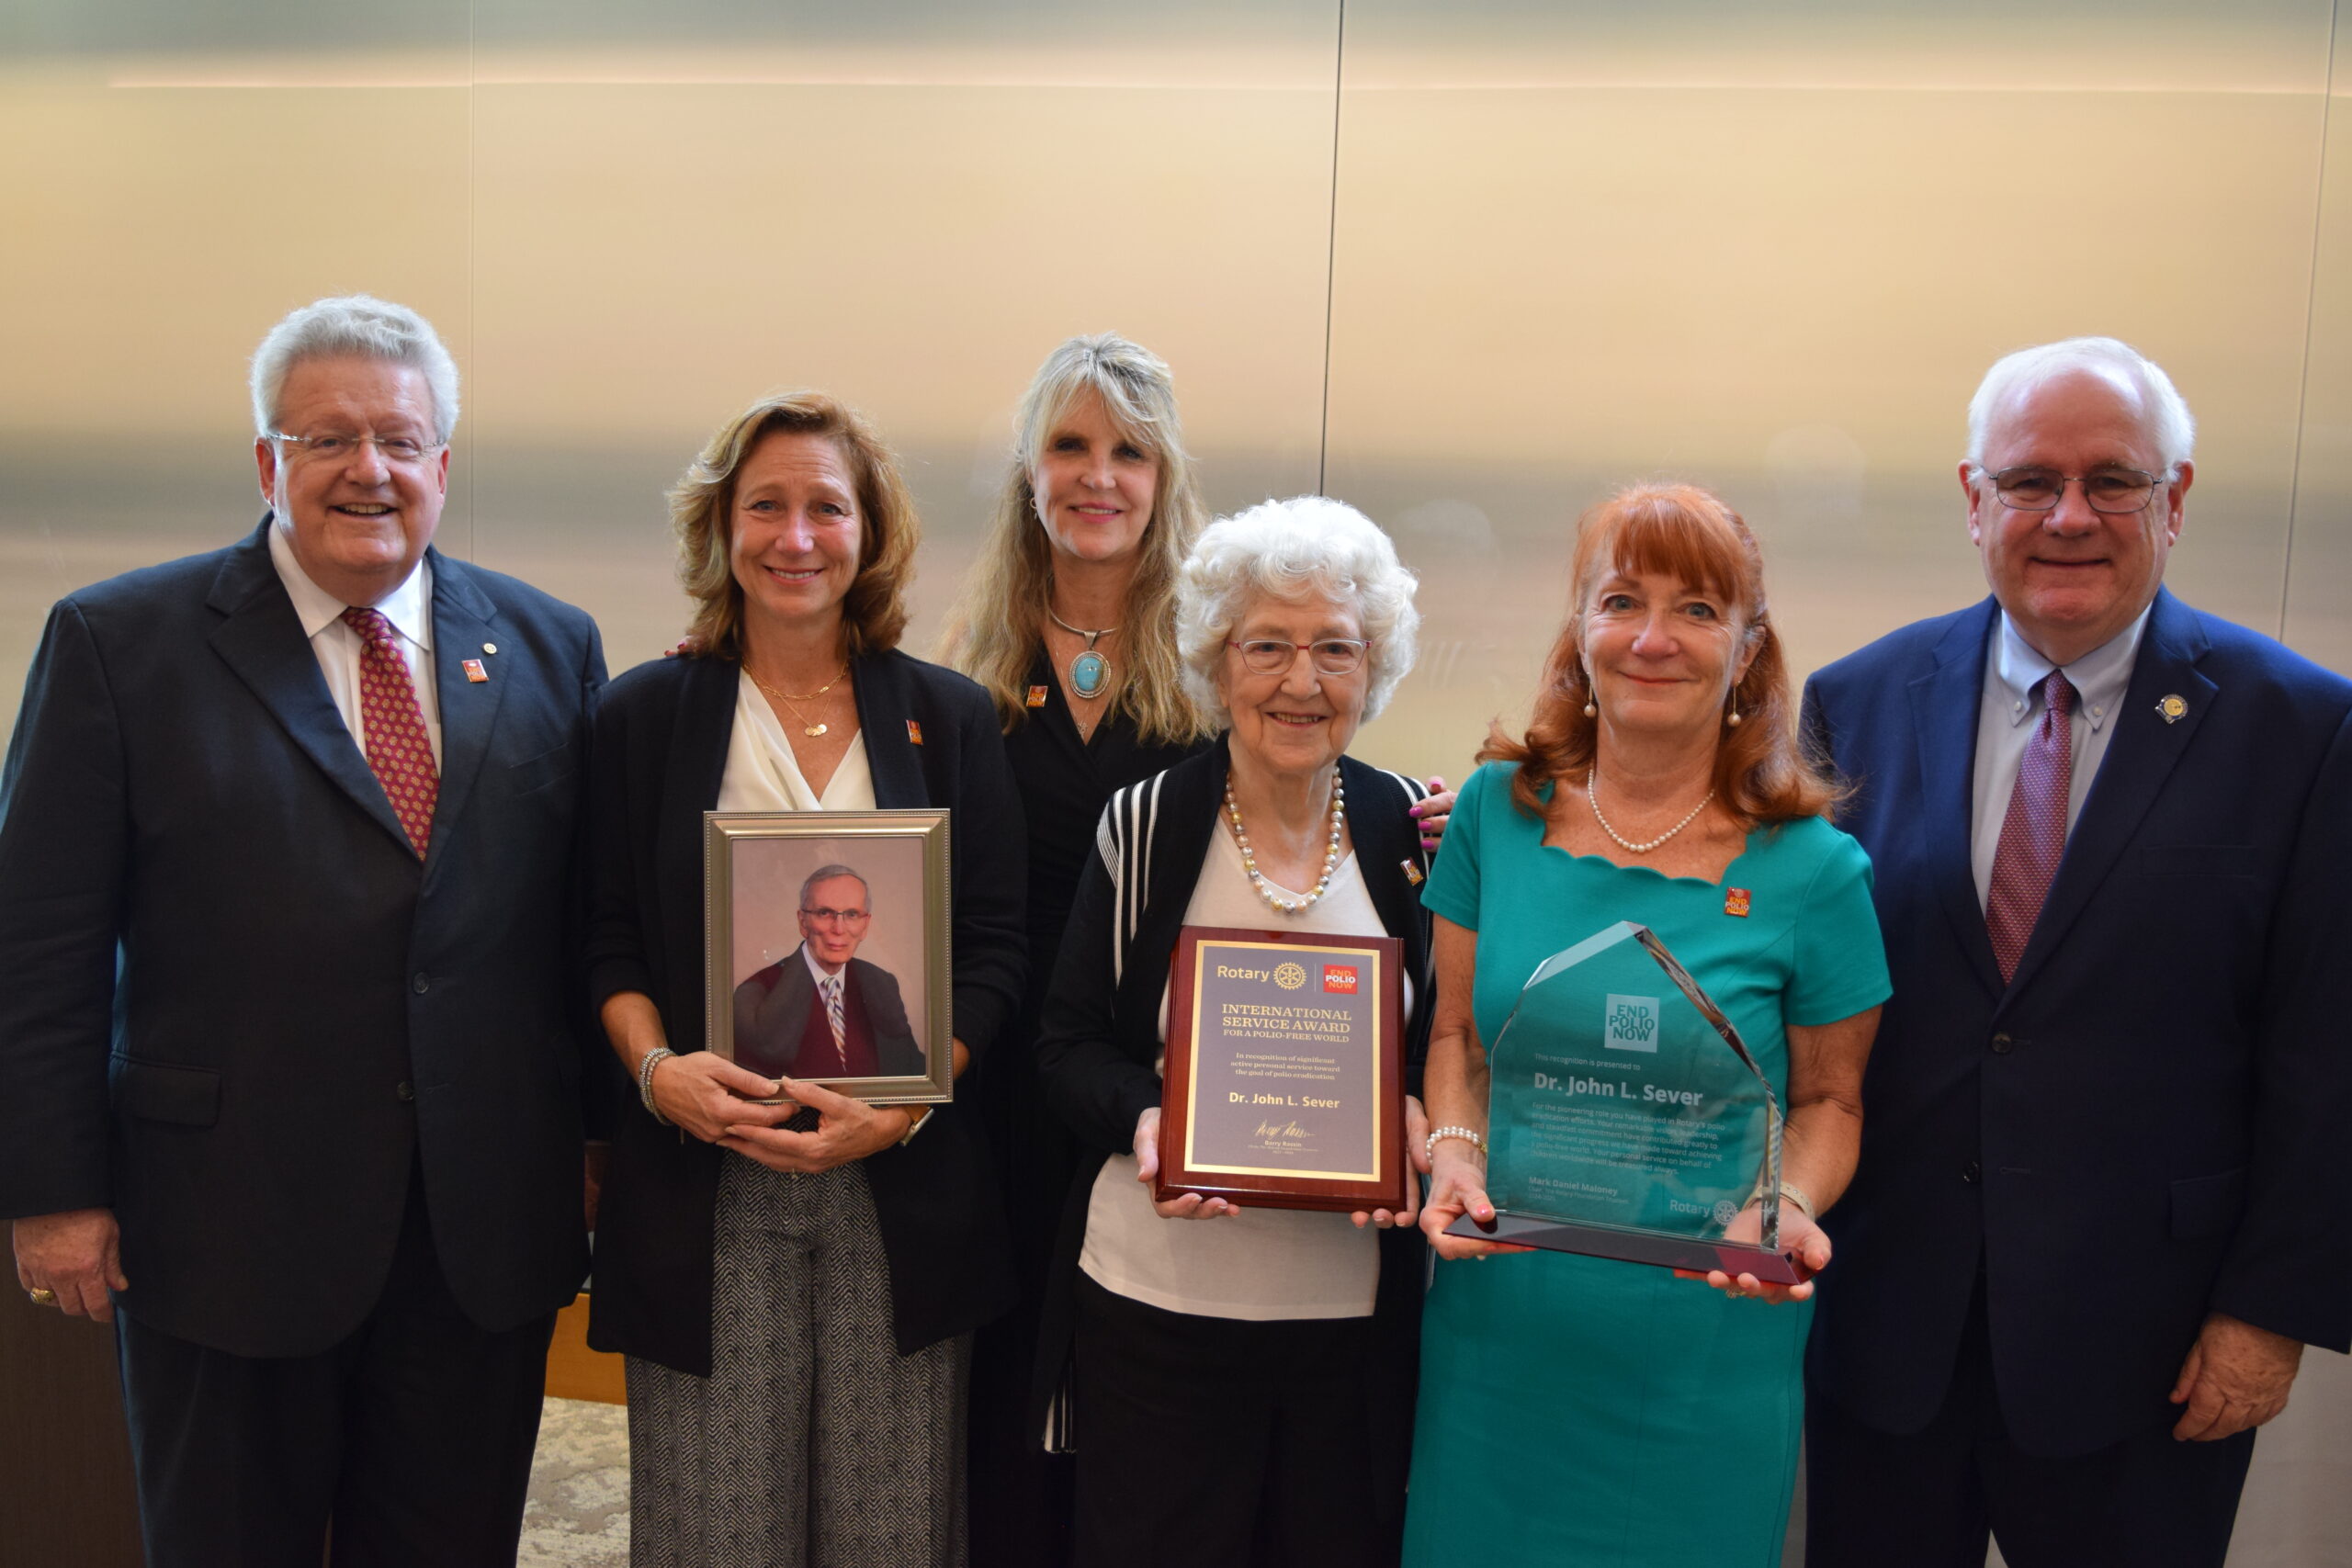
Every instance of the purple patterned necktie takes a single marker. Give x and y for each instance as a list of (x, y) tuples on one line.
[(2033, 833), (398, 748)]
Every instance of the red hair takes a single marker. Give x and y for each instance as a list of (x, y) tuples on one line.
[(1683, 532)]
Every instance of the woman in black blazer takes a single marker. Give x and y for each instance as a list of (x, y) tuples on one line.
[(1242, 1389), (795, 1291)]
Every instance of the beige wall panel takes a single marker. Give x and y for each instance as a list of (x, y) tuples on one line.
[(651, 256), (1787, 292), (2319, 581), (156, 233)]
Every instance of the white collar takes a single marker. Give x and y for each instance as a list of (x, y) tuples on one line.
[(2099, 677), (817, 969), (409, 607)]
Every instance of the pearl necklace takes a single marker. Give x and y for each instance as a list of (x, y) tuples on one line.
[(1330, 855), (1592, 795)]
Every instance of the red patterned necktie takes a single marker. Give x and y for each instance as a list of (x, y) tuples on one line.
[(2033, 833), (398, 748)]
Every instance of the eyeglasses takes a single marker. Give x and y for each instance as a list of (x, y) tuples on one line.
[(402, 451), (839, 917), (2039, 490), (1331, 655)]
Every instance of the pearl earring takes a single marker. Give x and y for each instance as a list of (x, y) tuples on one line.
[(1734, 719)]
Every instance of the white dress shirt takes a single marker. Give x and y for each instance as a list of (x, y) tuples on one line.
[(409, 608), (2009, 711)]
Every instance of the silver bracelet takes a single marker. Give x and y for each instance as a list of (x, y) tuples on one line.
[(1429, 1149), (653, 1059), (1793, 1196)]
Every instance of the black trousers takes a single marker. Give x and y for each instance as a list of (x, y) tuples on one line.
[(412, 1437), (1932, 1498), (1212, 1442)]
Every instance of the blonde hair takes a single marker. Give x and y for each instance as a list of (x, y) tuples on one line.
[(874, 611), (998, 623)]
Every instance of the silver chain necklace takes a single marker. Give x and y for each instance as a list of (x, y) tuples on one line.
[(1331, 854), (1592, 798), (1090, 671)]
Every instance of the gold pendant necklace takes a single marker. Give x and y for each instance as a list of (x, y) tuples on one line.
[(811, 730)]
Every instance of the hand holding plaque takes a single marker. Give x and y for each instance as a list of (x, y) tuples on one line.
[(1628, 1120), (1283, 1085)]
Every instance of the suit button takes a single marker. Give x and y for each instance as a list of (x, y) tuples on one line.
[(421, 984), (2002, 1044), (1968, 1173), (404, 1091)]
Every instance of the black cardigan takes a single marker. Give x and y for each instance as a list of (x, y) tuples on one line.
[(1100, 1037), (660, 752)]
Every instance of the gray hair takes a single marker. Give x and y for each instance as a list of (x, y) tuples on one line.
[(1289, 549), (2162, 409), (830, 873), (358, 325)]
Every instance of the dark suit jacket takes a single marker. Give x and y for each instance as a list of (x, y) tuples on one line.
[(2144, 1126), (1100, 1035), (771, 1013), (238, 1010), (661, 737)]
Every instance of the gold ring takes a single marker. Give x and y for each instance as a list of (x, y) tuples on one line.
[(43, 1297)]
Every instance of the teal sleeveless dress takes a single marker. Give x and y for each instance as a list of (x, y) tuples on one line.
[(1579, 1411)]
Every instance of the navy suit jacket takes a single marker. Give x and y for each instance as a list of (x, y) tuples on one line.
[(238, 1010), (2144, 1126), (772, 1011)]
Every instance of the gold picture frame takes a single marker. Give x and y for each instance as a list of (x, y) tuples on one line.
[(765, 949)]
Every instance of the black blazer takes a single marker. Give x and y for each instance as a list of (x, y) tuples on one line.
[(662, 735), (1100, 1035), (2145, 1124), (302, 1012), (771, 1013)]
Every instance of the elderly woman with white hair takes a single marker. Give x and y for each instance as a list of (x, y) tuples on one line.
[(1242, 1386)]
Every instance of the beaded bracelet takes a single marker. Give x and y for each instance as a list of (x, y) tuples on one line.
[(1429, 1149), (653, 1059)]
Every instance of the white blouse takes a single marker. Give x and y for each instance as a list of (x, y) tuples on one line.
[(764, 775), (1262, 1264)]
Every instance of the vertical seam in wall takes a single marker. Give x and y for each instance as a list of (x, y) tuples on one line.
[(1331, 250), (473, 221), (2310, 314)]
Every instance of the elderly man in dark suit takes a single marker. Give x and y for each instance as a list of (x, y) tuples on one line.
[(2094, 1223), (294, 1048), (822, 1011)]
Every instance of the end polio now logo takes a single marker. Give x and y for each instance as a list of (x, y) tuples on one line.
[(1629, 1024)]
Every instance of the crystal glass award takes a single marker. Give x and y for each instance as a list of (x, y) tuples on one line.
[(1627, 1119)]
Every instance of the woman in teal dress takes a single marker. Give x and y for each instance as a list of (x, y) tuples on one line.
[(1577, 1410)]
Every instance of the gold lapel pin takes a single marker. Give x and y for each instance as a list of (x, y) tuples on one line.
[(2173, 706)]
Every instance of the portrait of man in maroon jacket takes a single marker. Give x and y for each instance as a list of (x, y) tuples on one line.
[(821, 1011)]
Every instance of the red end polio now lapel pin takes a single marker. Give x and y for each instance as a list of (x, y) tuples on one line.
[(1735, 901), (1036, 696), (475, 672), (914, 733)]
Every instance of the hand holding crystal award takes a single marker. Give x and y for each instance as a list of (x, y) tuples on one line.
[(1628, 1120)]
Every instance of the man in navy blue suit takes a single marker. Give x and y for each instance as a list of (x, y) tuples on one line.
[(294, 1053), (2096, 1216)]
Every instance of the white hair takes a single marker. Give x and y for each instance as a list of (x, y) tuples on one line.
[(1290, 550), (358, 325), (2161, 411), (833, 874)]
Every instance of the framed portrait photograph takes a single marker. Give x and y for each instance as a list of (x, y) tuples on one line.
[(827, 949)]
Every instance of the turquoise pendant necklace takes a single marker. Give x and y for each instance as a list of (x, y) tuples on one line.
[(1090, 671)]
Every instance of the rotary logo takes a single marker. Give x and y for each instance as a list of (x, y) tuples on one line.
[(1340, 978), (1725, 1212), (1289, 977)]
